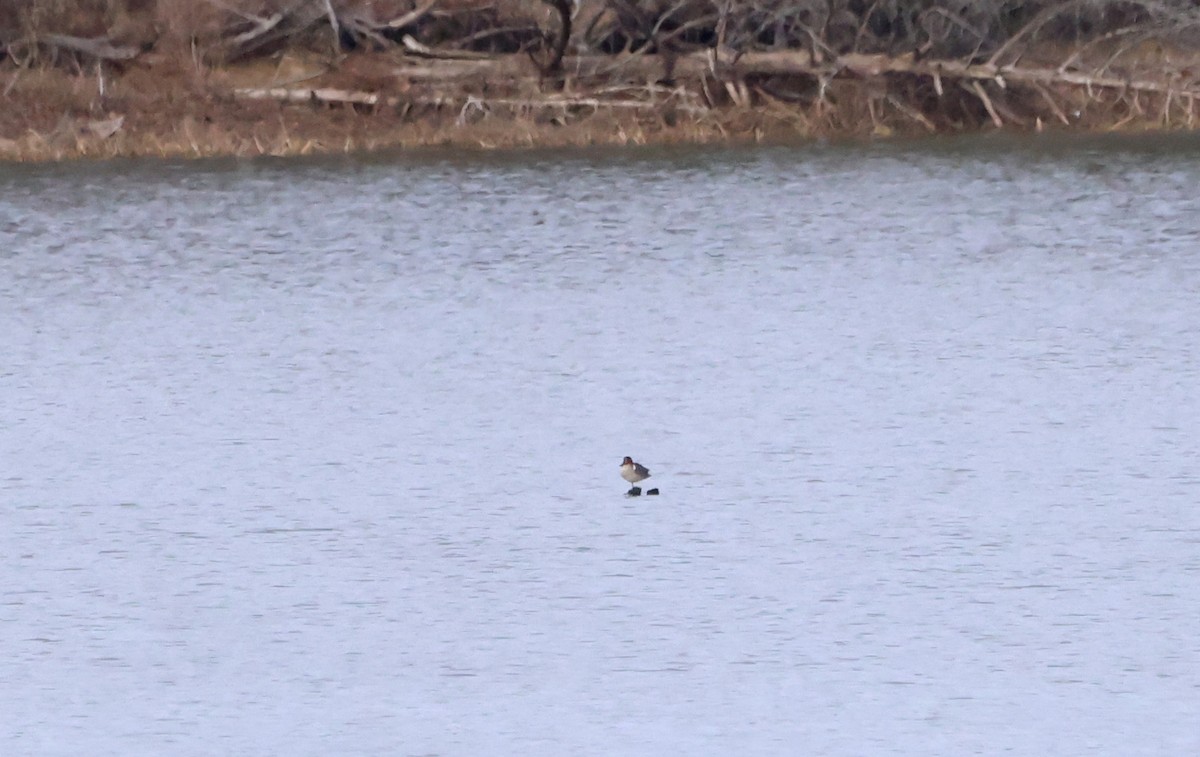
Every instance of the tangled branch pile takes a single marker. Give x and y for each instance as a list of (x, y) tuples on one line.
[(820, 65)]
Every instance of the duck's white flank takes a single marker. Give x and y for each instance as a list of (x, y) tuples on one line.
[(633, 472)]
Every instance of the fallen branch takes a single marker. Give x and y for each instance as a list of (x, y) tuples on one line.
[(323, 95), (330, 96), (411, 17), (799, 62), (260, 27), (912, 113), (97, 47), (297, 17), (425, 51), (588, 102), (977, 89), (1058, 112), (695, 71)]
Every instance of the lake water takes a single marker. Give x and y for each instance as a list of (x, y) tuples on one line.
[(321, 457)]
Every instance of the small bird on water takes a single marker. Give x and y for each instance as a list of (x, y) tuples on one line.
[(633, 472)]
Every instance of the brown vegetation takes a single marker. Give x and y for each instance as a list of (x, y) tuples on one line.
[(203, 77)]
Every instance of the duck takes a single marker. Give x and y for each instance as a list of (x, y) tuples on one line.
[(633, 472)]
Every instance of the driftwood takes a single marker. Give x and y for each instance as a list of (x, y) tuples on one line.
[(694, 70), (366, 27), (728, 68), (726, 65), (322, 95), (424, 51), (264, 33), (330, 96), (302, 15), (866, 66), (412, 17)]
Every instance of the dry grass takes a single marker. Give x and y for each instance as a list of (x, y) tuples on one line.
[(232, 128), (66, 119), (170, 102)]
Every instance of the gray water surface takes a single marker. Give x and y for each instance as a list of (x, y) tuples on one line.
[(320, 457)]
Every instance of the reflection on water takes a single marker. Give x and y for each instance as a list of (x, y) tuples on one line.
[(322, 456)]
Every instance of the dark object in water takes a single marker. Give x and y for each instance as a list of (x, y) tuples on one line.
[(634, 492), (652, 492)]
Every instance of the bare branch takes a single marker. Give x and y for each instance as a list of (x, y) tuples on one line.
[(99, 47), (412, 17)]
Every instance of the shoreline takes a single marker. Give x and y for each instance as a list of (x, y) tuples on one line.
[(299, 102)]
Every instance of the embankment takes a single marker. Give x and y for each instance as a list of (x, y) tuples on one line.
[(114, 78)]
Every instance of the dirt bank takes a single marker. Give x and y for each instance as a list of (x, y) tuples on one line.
[(315, 76)]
